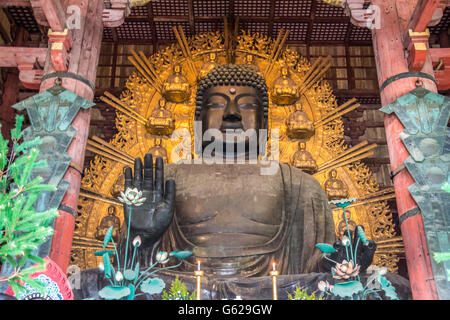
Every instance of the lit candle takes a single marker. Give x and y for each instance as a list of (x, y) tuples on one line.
[(274, 274), (199, 275)]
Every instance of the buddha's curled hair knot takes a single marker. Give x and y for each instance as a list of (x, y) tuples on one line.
[(232, 75)]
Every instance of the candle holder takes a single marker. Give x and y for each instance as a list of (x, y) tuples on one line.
[(274, 275), (199, 274)]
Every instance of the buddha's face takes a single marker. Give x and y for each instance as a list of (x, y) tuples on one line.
[(232, 109), (162, 103), (333, 174), (177, 68), (111, 211), (249, 58), (212, 57)]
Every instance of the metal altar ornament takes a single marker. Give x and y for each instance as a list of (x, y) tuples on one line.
[(173, 73), (425, 115), (285, 89), (299, 126), (161, 121), (176, 87), (51, 112)]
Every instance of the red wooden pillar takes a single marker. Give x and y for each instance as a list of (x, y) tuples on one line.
[(83, 61), (390, 61)]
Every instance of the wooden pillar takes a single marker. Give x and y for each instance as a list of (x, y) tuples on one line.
[(11, 91), (390, 61), (83, 61)]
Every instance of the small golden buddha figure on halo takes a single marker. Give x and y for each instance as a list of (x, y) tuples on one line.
[(334, 187), (110, 220), (211, 63), (285, 90), (302, 159), (176, 87), (161, 121), (299, 126), (250, 62), (158, 151)]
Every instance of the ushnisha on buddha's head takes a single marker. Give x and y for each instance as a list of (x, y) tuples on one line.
[(232, 99)]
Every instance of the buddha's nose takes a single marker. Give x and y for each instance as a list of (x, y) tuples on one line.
[(232, 113)]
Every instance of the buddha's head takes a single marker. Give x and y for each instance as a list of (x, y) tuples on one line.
[(162, 103), (249, 58), (111, 211), (212, 56), (332, 174), (232, 98), (285, 71)]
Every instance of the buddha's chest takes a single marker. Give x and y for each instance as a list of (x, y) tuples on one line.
[(232, 203)]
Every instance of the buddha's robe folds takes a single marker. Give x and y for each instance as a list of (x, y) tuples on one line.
[(237, 221)]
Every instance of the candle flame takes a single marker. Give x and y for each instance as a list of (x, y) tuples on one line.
[(273, 265)]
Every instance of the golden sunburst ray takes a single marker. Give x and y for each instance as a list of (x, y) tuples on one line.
[(144, 67), (113, 148), (337, 113), (182, 42), (122, 107), (276, 50), (98, 196), (349, 154), (106, 152), (81, 242), (315, 74), (339, 164)]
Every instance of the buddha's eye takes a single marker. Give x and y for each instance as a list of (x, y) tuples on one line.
[(215, 105), (248, 106)]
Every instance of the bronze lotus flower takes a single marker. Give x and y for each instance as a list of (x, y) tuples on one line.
[(345, 270)]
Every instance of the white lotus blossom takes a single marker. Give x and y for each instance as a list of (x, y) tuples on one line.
[(137, 241), (162, 257), (119, 276), (132, 197)]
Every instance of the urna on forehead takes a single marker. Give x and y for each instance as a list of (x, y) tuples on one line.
[(232, 75)]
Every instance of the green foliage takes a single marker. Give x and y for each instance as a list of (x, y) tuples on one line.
[(22, 229), (441, 256), (302, 294), (177, 291)]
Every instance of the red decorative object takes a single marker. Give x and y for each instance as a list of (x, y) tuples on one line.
[(56, 282)]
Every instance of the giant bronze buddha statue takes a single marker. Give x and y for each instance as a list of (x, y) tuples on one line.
[(236, 220)]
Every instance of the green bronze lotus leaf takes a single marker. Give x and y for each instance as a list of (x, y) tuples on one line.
[(181, 254), (114, 293), (153, 286)]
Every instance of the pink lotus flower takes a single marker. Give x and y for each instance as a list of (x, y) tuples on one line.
[(345, 270), (324, 286)]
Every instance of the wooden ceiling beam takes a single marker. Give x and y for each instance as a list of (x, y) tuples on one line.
[(191, 16), (55, 15), (18, 3), (151, 19)]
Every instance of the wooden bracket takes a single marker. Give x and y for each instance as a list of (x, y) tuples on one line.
[(29, 61), (417, 46), (60, 45), (115, 16), (440, 57)]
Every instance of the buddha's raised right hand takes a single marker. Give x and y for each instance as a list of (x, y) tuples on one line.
[(153, 217)]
